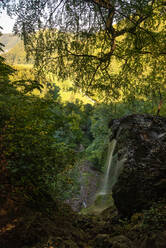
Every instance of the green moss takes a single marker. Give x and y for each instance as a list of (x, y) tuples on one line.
[(101, 203)]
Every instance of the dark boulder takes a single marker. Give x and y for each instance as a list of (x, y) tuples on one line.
[(143, 179)]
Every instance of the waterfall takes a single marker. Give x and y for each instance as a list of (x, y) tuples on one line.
[(108, 168), (112, 168)]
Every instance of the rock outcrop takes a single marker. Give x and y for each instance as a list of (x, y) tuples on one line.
[(143, 179), (89, 179)]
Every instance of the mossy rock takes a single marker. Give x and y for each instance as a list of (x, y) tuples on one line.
[(104, 201), (101, 203), (143, 179)]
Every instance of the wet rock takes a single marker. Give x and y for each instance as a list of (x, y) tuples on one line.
[(143, 179), (89, 180)]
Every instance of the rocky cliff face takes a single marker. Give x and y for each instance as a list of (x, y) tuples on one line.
[(143, 179), (89, 181)]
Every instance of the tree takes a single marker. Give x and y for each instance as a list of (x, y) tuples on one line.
[(37, 142), (110, 49)]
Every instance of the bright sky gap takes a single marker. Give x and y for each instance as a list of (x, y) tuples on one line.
[(6, 23)]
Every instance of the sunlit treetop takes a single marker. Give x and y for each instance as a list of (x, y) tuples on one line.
[(111, 49)]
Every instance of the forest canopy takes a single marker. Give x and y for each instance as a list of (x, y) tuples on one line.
[(110, 49)]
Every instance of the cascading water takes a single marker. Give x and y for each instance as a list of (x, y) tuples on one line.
[(113, 168), (109, 167)]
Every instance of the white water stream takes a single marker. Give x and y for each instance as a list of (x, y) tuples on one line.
[(112, 169), (111, 148)]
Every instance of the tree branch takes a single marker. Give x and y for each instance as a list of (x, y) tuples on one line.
[(103, 3)]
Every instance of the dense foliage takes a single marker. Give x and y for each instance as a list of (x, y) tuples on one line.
[(110, 49), (39, 140)]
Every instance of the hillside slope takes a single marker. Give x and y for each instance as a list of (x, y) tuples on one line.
[(17, 54), (9, 40), (13, 49)]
